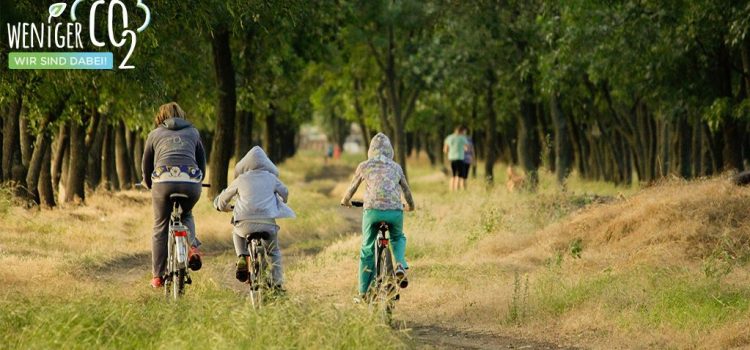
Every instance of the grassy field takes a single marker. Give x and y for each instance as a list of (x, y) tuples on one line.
[(594, 267)]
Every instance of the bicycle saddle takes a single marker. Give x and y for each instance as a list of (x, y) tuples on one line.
[(178, 196), (259, 235), (383, 226)]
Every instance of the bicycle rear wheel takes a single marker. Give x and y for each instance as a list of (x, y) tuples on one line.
[(171, 265), (385, 285), (179, 284), (258, 274)]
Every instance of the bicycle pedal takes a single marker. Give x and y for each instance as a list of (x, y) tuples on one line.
[(189, 280)]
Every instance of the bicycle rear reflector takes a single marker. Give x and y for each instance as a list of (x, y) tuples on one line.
[(180, 233)]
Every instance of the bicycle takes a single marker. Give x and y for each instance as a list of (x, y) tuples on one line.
[(177, 275), (385, 289), (258, 268), (259, 277)]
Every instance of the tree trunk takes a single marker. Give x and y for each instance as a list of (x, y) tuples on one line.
[(731, 129), (732, 152), (528, 142), (11, 143), (563, 147), (94, 159), (385, 126), (221, 151), (399, 132), (243, 133), (244, 119), (103, 161), (3, 116), (122, 160), (698, 149), (130, 137), (359, 110), (74, 185), (665, 144), (61, 146), (269, 135), (490, 128), (25, 139), (108, 168), (685, 147), (46, 192), (40, 147), (138, 157), (35, 164)]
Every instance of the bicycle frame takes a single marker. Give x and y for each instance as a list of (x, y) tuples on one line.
[(177, 255)]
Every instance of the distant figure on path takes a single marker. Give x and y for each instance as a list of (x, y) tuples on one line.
[(455, 146), (329, 153)]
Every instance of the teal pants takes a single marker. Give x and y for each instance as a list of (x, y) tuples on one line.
[(370, 220)]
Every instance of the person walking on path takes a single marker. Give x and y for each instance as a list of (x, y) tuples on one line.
[(455, 145)]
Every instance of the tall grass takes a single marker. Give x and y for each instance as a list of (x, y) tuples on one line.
[(594, 264), (208, 318)]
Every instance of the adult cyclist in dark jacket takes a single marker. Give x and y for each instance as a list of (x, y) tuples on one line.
[(173, 162)]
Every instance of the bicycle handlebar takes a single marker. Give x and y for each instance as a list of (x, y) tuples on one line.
[(141, 186), (360, 204)]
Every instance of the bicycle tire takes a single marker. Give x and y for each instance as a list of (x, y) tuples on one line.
[(256, 281), (383, 299), (168, 278), (180, 285)]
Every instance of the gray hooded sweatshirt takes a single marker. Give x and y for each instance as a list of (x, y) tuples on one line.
[(173, 143), (260, 194)]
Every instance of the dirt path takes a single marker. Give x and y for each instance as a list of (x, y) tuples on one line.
[(423, 336), (436, 337)]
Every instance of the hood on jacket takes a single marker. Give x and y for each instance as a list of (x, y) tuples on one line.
[(255, 159), (176, 124), (380, 146)]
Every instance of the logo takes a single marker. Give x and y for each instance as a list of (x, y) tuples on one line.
[(59, 35)]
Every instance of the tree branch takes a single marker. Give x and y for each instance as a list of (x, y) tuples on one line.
[(375, 54)]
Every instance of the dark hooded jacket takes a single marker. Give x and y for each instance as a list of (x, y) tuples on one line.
[(384, 179), (260, 193), (174, 143)]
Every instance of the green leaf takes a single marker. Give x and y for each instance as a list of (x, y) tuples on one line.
[(56, 9)]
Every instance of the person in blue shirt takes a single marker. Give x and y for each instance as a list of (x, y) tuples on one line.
[(455, 146)]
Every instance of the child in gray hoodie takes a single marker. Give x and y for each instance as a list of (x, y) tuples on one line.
[(261, 199)]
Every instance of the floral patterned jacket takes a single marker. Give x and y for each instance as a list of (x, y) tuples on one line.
[(384, 179)]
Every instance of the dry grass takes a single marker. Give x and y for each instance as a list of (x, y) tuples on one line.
[(595, 266)]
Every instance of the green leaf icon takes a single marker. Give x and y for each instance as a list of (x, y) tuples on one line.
[(56, 10)]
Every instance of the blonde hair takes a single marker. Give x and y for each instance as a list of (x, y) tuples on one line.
[(168, 110)]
